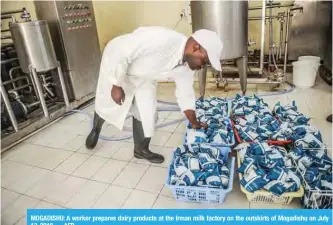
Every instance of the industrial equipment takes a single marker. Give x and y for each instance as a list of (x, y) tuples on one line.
[(74, 34), (229, 20), (308, 30), (36, 54), (49, 66)]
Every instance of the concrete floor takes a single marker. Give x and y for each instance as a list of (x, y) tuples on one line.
[(53, 169)]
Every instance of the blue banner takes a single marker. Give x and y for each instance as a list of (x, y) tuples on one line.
[(187, 216)]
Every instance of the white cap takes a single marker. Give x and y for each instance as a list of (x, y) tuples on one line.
[(210, 41)]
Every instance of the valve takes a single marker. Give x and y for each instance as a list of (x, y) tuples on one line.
[(25, 15), (250, 42)]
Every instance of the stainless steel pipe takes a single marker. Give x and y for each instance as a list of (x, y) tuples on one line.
[(286, 42), (281, 38), (63, 86), (273, 6), (242, 69), (262, 41), (12, 12), (6, 37), (19, 88), (253, 81), (11, 71), (9, 108), (260, 17), (8, 17), (8, 61), (39, 91), (202, 74), (14, 80)]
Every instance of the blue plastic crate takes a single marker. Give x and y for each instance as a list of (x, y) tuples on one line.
[(204, 194), (217, 145)]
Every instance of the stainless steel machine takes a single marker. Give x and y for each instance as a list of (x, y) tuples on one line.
[(229, 20), (308, 30), (50, 67), (36, 54), (74, 34)]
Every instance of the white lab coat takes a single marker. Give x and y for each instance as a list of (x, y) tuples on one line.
[(136, 61)]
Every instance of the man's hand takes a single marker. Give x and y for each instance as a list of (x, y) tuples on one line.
[(199, 125), (190, 114), (118, 94)]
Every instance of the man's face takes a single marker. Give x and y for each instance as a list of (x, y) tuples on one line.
[(197, 58)]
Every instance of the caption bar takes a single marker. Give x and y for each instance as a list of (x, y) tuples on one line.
[(102, 216)]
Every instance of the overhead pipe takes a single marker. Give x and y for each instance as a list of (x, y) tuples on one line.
[(262, 41), (8, 17), (12, 12), (266, 17), (273, 6)]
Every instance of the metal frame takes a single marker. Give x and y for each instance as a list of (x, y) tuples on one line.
[(38, 123)]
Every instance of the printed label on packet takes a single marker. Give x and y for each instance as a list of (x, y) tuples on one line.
[(253, 135), (252, 102), (242, 122)]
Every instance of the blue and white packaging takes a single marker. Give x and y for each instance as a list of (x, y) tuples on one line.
[(246, 165), (277, 173), (252, 181), (275, 187), (196, 136)]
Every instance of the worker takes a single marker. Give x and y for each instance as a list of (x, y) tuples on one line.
[(130, 68)]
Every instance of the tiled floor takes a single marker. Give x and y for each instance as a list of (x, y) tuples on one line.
[(53, 169)]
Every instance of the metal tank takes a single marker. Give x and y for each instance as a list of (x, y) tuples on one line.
[(34, 45), (230, 20)]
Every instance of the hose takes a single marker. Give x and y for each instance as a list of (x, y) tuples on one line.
[(274, 62), (159, 109)]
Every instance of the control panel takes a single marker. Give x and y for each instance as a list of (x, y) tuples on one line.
[(76, 16)]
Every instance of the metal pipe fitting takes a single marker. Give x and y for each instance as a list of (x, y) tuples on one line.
[(9, 108), (11, 71), (262, 39)]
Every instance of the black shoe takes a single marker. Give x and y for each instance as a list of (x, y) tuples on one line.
[(141, 145), (92, 138), (329, 118)]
